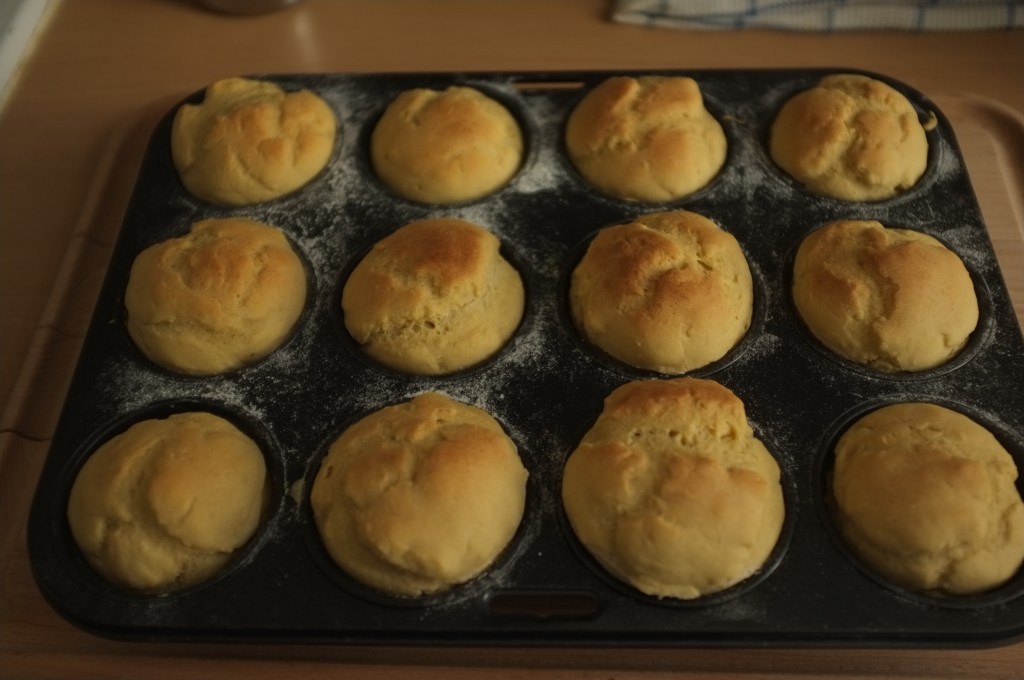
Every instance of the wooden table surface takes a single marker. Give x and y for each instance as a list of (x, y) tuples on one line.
[(71, 136)]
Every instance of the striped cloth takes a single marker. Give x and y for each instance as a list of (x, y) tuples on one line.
[(824, 15)]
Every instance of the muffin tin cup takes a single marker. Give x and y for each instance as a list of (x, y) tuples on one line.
[(609, 362), (490, 579), (716, 598), (712, 106), (130, 348), (544, 387), (927, 116), (104, 598), (355, 349), (979, 338), (499, 94), (1000, 595)]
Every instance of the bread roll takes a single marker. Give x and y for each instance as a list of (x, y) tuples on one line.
[(221, 297), (671, 492), (892, 299), (926, 496), (250, 141), (667, 292), (850, 137), (167, 503), (434, 297), (420, 496), (645, 139), (446, 146)]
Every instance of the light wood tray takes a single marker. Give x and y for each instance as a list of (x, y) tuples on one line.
[(36, 642)]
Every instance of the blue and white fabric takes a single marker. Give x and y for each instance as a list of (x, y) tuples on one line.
[(824, 15)]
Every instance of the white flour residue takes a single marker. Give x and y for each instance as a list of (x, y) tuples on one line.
[(547, 169), (763, 345), (966, 242), (126, 387), (129, 387)]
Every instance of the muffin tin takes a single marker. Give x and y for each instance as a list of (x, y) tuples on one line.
[(546, 387)]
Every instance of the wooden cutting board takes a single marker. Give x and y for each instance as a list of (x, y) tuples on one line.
[(36, 642)]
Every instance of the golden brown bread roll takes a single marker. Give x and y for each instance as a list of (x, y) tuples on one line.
[(434, 297), (420, 496), (446, 146), (850, 137), (893, 299), (250, 141), (164, 505), (667, 292), (645, 139), (223, 296), (926, 497), (671, 492)]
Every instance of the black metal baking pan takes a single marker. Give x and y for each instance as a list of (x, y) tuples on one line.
[(545, 388)]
